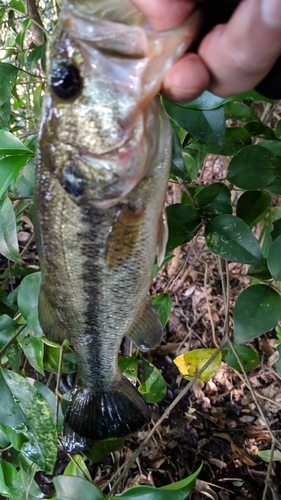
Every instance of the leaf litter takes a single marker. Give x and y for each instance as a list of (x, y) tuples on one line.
[(217, 421)]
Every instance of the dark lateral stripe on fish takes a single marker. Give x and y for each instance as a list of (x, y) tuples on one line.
[(123, 236)]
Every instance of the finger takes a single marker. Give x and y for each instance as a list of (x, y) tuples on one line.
[(186, 80), (241, 53), (165, 14)]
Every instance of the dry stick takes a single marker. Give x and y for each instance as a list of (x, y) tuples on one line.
[(12, 339), (268, 472), (125, 467), (207, 299), (273, 439)]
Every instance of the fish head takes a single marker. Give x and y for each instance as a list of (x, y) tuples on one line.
[(99, 130)]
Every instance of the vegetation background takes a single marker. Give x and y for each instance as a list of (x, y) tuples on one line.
[(219, 287)]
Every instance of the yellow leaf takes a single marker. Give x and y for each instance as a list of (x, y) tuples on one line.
[(191, 362)]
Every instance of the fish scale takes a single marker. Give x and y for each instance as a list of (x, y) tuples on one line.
[(102, 169)]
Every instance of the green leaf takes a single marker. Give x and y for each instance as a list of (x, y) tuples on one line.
[(260, 270), (33, 348), (6, 470), (52, 358), (103, 448), (276, 229), (273, 259), (278, 130), (175, 491), (207, 100), (257, 310), (183, 221), (129, 367), (252, 205), (9, 168), (178, 167), (254, 167), (238, 110), (34, 56), (25, 179), (38, 421), (8, 328), (153, 386), (230, 238), (248, 356), (75, 468), (208, 126), (235, 138), (258, 129), (70, 488), (8, 232), (25, 482), (50, 398), (8, 78), (5, 115), (265, 455), (11, 145), (28, 293), (163, 306), (214, 199)]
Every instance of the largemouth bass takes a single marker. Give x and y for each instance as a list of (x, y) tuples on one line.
[(102, 169)]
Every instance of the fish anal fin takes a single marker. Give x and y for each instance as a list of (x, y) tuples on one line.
[(52, 327), (146, 332), (162, 237), (123, 235), (92, 417)]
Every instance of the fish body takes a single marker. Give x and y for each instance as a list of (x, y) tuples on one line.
[(102, 168)]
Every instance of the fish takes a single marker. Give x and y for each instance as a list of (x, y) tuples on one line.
[(102, 168)]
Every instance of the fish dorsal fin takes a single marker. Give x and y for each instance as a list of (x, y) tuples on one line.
[(146, 332)]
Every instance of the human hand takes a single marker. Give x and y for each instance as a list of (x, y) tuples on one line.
[(231, 58)]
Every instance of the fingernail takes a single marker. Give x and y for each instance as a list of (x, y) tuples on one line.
[(271, 12)]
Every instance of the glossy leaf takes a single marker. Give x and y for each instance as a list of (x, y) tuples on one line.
[(37, 421), (153, 386), (52, 357), (248, 356), (235, 138), (273, 259), (24, 482), (70, 488), (8, 77), (214, 199), (207, 100), (178, 167), (276, 229), (8, 232), (175, 491), (8, 328), (258, 129), (6, 489), (251, 206), (9, 168), (163, 306), (238, 110), (257, 310), (230, 238), (129, 367), (260, 270), (28, 293), (254, 167), (25, 179), (75, 468), (33, 348), (208, 126), (183, 222), (50, 398), (103, 448), (191, 362), (11, 145)]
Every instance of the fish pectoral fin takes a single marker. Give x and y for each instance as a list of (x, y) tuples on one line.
[(123, 236), (52, 327), (146, 332), (162, 237), (94, 416)]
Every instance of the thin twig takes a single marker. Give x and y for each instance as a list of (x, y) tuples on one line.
[(268, 472), (126, 466), (57, 386), (12, 339)]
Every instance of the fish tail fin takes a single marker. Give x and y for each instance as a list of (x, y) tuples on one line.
[(95, 416)]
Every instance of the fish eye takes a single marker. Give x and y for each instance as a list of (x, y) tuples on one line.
[(66, 81)]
